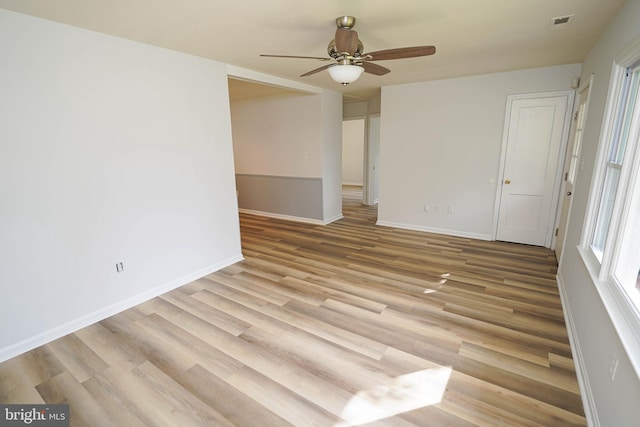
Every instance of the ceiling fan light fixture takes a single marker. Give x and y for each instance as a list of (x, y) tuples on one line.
[(348, 51), (345, 74)]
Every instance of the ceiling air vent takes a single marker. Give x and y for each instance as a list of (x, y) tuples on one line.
[(561, 22)]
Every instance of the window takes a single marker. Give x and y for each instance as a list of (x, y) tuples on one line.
[(626, 266), (611, 237), (623, 120)]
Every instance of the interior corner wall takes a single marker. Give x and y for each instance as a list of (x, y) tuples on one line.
[(373, 106), (597, 341), (110, 151), (440, 145)]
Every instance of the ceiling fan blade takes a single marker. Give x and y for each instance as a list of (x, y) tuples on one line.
[(401, 53), (346, 40), (319, 58), (375, 69), (317, 70)]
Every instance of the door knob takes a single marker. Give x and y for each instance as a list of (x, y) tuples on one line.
[(507, 181), (568, 193)]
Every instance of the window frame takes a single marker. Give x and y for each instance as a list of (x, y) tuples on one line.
[(576, 149), (632, 191), (601, 166)]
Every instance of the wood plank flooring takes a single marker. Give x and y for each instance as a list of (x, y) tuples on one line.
[(339, 325)]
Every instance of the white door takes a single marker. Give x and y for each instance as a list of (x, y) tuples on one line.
[(571, 167), (536, 129)]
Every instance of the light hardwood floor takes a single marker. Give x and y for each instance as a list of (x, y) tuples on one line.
[(337, 325)]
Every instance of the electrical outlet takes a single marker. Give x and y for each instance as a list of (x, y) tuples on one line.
[(426, 208), (436, 208), (119, 267), (450, 209)]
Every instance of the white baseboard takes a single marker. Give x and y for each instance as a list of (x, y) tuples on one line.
[(101, 314), (292, 218), (330, 220), (434, 230), (581, 372)]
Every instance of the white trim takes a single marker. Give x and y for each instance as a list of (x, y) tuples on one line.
[(370, 171), (365, 142), (621, 202), (588, 86), (630, 55), (332, 219), (444, 231), (103, 313), (630, 188), (290, 217), (566, 130), (582, 374), (503, 157), (611, 107)]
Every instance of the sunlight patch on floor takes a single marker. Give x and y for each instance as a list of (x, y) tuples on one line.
[(443, 279), (404, 393)]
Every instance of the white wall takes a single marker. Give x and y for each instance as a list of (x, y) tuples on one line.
[(110, 151), (353, 151), (597, 340), (440, 145), (280, 135), (332, 155), (295, 136)]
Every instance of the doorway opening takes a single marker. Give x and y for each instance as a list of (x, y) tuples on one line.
[(353, 158)]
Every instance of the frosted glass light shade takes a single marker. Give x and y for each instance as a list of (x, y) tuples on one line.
[(345, 74)]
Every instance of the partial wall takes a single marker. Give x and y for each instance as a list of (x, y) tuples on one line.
[(111, 152)]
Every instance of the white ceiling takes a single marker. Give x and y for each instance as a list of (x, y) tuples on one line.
[(471, 36)]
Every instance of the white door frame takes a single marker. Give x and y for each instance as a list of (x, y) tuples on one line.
[(370, 171), (583, 89), (365, 142), (570, 94)]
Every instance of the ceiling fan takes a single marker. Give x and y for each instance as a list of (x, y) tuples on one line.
[(347, 51)]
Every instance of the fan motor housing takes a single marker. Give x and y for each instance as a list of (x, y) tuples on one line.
[(333, 52)]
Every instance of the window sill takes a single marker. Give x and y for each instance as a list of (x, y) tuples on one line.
[(622, 313)]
